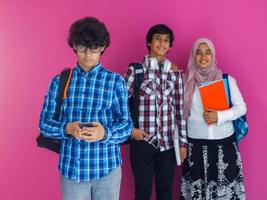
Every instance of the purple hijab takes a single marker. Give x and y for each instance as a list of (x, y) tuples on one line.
[(194, 75)]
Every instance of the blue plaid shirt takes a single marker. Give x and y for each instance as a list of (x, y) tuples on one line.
[(99, 95)]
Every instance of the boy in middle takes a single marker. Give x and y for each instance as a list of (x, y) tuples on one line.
[(160, 110)]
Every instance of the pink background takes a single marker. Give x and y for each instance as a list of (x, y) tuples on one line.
[(33, 49)]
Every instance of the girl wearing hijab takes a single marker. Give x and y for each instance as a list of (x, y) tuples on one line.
[(213, 168)]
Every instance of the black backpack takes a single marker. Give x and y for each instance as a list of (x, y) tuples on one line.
[(49, 143), (134, 100)]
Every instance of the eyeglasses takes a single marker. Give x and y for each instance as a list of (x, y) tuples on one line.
[(83, 48)]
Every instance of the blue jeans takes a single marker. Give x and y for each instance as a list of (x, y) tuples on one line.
[(107, 187)]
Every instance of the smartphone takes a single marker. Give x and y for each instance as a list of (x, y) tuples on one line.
[(87, 124)]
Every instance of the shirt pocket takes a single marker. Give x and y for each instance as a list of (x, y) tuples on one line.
[(148, 88), (168, 88)]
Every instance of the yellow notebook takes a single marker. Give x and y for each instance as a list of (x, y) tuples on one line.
[(213, 95)]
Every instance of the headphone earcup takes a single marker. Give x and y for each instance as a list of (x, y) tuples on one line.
[(151, 62), (167, 65)]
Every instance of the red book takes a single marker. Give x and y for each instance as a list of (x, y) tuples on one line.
[(213, 95)]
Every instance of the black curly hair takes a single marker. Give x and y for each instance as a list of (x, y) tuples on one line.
[(158, 29), (88, 31)]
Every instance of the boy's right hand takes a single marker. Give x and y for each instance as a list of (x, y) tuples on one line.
[(138, 134), (74, 129)]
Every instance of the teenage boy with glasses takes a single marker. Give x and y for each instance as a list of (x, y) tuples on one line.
[(90, 158)]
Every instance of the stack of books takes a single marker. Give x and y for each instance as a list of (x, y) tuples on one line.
[(214, 95)]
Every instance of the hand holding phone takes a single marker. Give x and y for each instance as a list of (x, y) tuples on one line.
[(86, 125), (92, 131)]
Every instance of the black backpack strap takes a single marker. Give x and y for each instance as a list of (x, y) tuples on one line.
[(134, 100), (225, 76), (65, 76), (138, 77)]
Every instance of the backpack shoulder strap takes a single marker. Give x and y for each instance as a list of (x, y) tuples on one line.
[(134, 100), (64, 80), (225, 76), (138, 77)]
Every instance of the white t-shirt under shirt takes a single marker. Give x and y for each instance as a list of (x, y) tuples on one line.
[(197, 127)]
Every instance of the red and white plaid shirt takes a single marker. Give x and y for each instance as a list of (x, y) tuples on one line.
[(160, 103)]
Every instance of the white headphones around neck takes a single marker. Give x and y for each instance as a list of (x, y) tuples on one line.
[(153, 62)]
